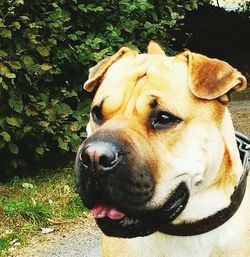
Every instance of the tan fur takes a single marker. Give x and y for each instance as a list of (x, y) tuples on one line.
[(225, 176), (194, 88), (212, 78)]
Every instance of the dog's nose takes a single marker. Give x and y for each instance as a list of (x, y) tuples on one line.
[(100, 156)]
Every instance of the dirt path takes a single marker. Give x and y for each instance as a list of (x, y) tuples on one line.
[(82, 239), (240, 111), (79, 239)]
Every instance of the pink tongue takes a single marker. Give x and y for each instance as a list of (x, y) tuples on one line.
[(102, 211)]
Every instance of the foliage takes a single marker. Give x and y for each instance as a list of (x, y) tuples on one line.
[(46, 48)]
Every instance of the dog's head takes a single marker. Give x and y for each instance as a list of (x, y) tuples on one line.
[(154, 136)]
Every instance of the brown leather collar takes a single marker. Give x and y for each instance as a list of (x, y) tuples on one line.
[(219, 218)]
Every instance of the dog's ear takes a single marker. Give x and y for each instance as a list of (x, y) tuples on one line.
[(212, 78), (97, 72), (154, 48)]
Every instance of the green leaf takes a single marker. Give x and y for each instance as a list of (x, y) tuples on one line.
[(16, 104), (2, 143), (27, 129), (10, 75), (188, 7), (24, 18), (28, 78), (67, 93), (99, 9), (41, 105), (16, 65), (30, 112), (13, 122), (53, 41), (154, 16), (2, 121), (32, 98), (75, 126), (44, 51), (28, 61), (4, 85), (62, 144), (174, 15), (46, 66), (82, 8), (4, 70), (72, 37), (194, 4), (6, 136), (44, 97), (19, 2), (5, 33), (13, 148), (14, 164), (39, 150), (3, 53), (16, 24), (63, 108)]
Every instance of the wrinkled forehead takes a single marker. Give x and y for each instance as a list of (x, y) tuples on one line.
[(146, 73), (144, 76), (148, 64), (135, 82)]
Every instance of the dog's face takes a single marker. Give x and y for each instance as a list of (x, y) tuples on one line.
[(154, 137)]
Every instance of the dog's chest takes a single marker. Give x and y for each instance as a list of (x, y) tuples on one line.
[(160, 245), (171, 247)]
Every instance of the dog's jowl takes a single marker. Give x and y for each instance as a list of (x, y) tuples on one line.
[(160, 170)]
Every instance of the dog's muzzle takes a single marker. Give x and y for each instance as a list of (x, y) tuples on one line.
[(116, 183), (107, 171)]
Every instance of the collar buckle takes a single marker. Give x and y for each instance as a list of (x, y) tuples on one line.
[(243, 143)]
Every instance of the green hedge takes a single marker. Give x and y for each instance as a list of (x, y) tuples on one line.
[(46, 48)]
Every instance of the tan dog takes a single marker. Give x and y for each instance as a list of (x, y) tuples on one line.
[(160, 169)]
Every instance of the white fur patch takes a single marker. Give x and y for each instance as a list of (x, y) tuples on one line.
[(88, 129)]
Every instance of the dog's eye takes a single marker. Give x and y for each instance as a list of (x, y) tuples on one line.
[(96, 114), (162, 120)]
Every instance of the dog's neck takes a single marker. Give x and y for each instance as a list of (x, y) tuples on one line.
[(227, 191), (230, 169), (213, 221)]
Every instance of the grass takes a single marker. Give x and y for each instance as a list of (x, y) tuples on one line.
[(29, 204)]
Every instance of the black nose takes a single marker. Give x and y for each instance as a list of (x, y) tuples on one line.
[(99, 156)]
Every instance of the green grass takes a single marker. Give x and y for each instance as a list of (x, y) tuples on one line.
[(4, 243), (29, 204)]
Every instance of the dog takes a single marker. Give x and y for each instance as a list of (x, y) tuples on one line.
[(160, 169)]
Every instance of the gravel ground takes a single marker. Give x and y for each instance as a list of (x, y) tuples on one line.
[(240, 111), (76, 245), (83, 240), (73, 244)]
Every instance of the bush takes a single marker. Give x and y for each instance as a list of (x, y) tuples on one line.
[(46, 48)]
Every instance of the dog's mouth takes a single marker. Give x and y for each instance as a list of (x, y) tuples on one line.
[(121, 197), (117, 222)]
